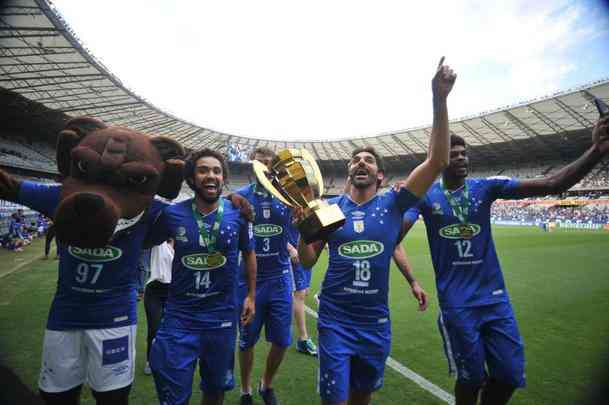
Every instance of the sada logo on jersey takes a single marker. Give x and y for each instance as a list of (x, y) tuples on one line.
[(203, 261), (361, 249), (96, 255), (267, 230), (459, 231)]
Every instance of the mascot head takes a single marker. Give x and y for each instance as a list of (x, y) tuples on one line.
[(110, 176)]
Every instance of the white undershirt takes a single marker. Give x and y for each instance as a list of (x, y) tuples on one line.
[(161, 258)]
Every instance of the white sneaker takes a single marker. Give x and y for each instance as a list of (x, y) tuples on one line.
[(147, 369)]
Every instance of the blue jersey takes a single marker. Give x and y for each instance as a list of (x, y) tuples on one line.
[(271, 230), (203, 295), (355, 287), (96, 288), (466, 266), (15, 229)]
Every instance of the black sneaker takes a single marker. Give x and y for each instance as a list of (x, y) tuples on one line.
[(307, 347), (246, 399), (268, 396)]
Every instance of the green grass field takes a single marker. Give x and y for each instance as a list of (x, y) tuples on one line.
[(558, 282)]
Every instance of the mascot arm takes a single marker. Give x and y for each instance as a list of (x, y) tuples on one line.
[(9, 187), (158, 232)]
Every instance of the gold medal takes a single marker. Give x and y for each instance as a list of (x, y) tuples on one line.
[(466, 231), (214, 259)]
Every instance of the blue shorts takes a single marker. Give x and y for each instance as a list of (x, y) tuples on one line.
[(302, 278), (481, 338), (273, 310), (351, 359), (173, 358)]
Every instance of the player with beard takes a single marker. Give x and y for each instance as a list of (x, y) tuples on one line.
[(354, 326), (476, 319), (200, 320)]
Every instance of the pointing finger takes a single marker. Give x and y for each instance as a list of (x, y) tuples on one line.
[(441, 62)]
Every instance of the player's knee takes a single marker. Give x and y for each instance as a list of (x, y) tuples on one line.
[(70, 397), (114, 397)]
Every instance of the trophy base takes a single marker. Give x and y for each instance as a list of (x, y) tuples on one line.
[(321, 223)]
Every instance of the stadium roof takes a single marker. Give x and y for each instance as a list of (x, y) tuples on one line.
[(42, 59)]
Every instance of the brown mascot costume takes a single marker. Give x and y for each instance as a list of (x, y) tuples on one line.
[(101, 211)]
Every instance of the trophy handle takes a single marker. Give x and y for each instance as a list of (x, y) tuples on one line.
[(320, 181), (260, 170)]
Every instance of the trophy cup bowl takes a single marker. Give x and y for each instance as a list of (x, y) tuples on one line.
[(295, 180)]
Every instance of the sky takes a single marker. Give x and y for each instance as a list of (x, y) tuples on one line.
[(336, 69)]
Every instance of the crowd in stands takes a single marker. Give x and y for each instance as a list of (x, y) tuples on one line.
[(586, 214), (237, 153), (35, 155)]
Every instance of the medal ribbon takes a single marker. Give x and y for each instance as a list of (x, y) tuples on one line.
[(209, 240), (460, 208)]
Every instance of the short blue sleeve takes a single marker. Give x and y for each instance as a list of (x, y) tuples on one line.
[(412, 215), (502, 187), (404, 199), (40, 197)]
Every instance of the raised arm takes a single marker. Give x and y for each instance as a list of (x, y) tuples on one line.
[(423, 176), (563, 179)]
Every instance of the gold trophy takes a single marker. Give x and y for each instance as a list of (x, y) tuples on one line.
[(295, 180)]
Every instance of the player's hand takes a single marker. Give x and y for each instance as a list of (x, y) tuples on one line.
[(443, 81), (600, 135), (419, 294), (249, 310), (243, 205), (398, 185), (297, 215)]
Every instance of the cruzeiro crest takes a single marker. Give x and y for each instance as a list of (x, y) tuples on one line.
[(358, 221), (266, 210)]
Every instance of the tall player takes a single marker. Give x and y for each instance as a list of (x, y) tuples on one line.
[(354, 326), (476, 319), (200, 320), (273, 286)]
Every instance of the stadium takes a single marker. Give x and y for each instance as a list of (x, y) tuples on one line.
[(557, 280)]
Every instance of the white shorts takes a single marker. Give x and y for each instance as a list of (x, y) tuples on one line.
[(103, 358)]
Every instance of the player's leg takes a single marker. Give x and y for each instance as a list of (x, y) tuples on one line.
[(216, 364), (69, 397), (64, 365), (464, 350), (248, 336), (302, 281), (368, 364), (155, 295), (505, 355), (118, 396), (111, 366), (278, 330), (47, 241), (173, 359), (334, 365)]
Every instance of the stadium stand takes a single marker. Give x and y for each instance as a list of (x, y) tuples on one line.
[(50, 76)]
